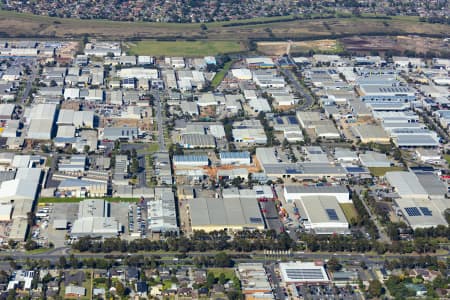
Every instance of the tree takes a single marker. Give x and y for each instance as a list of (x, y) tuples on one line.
[(120, 289), (62, 262), (375, 289), (222, 279), (223, 260), (333, 264), (210, 280), (31, 245)]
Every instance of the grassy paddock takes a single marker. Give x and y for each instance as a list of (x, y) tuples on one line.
[(349, 211), (183, 48), (221, 74), (228, 272), (381, 171)]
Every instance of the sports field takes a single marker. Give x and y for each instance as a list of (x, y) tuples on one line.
[(183, 48)]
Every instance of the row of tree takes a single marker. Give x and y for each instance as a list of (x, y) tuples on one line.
[(200, 242)]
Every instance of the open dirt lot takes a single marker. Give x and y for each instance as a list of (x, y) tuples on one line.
[(279, 48), (400, 43)]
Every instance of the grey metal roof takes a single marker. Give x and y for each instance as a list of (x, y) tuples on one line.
[(316, 189)]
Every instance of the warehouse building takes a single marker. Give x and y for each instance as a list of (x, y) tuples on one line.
[(41, 120), (406, 185), (6, 111), (254, 280), (190, 160), (76, 118), (431, 183), (235, 158), (305, 170), (370, 133), (373, 159), (94, 221), (419, 213), (249, 132), (138, 73), (322, 214), (193, 140), (297, 192), (303, 273), (23, 187), (120, 133), (386, 93), (232, 214), (162, 212), (5, 212)]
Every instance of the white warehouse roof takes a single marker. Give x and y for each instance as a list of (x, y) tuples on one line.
[(406, 184)]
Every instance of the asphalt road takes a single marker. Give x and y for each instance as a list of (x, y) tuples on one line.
[(257, 256), (29, 84), (159, 120), (309, 100)]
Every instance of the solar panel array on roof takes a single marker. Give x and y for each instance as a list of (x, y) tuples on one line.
[(279, 121), (426, 211), (293, 171), (332, 215), (293, 120), (304, 274), (412, 211), (394, 89), (255, 220)]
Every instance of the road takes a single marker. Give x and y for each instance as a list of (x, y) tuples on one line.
[(383, 236), (159, 120), (29, 83), (256, 256), (275, 282), (309, 100)]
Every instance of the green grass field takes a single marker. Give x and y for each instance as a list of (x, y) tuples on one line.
[(228, 272), (221, 74), (349, 211), (183, 48), (381, 171), (447, 158)]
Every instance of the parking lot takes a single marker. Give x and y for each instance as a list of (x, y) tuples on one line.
[(320, 292), (56, 211), (132, 217)]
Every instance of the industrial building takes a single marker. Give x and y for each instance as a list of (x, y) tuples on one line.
[(373, 159), (162, 212), (232, 214), (120, 133), (304, 170), (75, 118), (254, 281), (190, 160), (94, 221), (419, 213), (41, 120), (249, 132), (386, 92), (322, 214), (297, 192), (193, 140), (406, 185), (235, 158), (306, 273), (370, 133)]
